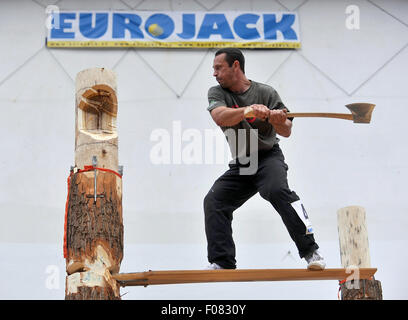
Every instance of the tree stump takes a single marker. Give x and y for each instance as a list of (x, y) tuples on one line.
[(364, 290), (94, 225), (355, 254)]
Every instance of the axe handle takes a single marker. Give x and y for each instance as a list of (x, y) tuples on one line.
[(346, 116)]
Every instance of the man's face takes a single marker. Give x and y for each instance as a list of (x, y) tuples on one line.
[(223, 73)]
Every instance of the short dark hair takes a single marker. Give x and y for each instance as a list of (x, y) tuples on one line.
[(232, 54)]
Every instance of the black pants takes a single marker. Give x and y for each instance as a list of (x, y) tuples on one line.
[(232, 190)]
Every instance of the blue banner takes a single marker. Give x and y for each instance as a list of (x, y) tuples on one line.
[(173, 29)]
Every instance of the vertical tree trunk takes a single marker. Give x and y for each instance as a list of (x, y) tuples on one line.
[(355, 254), (94, 225)]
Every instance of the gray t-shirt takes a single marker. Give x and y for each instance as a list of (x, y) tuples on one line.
[(265, 135)]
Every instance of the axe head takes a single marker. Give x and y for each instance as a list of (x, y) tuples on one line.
[(361, 111)]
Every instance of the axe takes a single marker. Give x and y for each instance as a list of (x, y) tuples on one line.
[(360, 113)]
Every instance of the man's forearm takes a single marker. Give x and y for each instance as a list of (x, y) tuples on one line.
[(227, 117), (284, 129)]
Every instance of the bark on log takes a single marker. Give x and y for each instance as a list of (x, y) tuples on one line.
[(355, 254), (94, 229), (364, 290)]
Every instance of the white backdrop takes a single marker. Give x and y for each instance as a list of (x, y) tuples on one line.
[(332, 163)]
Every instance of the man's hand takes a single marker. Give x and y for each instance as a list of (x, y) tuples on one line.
[(259, 111), (281, 123), (277, 117)]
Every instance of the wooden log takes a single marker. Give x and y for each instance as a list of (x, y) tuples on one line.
[(369, 289), (94, 224), (95, 118), (355, 254), (238, 275)]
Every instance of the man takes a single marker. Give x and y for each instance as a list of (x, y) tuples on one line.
[(230, 103)]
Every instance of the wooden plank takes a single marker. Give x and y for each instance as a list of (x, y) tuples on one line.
[(237, 275)]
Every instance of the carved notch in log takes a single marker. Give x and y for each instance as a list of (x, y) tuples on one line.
[(96, 113), (94, 224)]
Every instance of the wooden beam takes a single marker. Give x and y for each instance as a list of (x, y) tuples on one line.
[(237, 275)]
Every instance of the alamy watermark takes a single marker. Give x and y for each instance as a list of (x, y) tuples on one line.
[(52, 281), (52, 21), (353, 17), (353, 280), (192, 146)]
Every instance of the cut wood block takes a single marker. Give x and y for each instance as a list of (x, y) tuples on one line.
[(240, 275)]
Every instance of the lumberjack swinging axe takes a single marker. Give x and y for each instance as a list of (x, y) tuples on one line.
[(360, 113)]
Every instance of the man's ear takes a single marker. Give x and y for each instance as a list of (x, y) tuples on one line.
[(235, 64)]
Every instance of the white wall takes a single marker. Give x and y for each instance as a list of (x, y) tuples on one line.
[(332, 163)]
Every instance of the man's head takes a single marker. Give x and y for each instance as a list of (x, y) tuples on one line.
[(229, 65)]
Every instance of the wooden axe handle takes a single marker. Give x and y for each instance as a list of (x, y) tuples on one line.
[(346, 116)]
